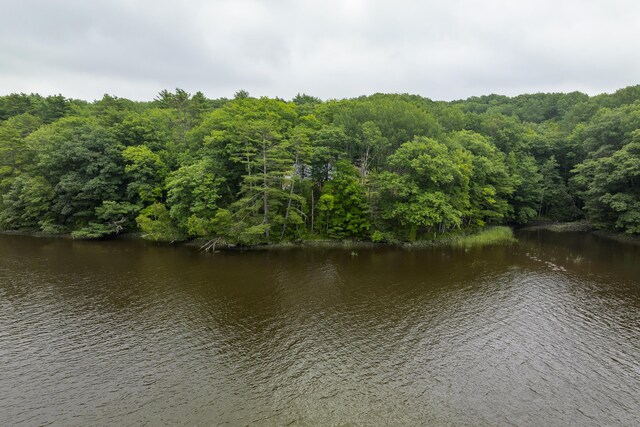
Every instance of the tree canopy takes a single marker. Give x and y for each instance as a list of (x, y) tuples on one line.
[(256, 170)]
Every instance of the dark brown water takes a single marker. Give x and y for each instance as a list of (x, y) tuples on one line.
[(545, 332)]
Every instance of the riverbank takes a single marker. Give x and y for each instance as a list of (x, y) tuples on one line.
[(487, 237), (618, 237), (490, 236), (561, 227), (583, 227)]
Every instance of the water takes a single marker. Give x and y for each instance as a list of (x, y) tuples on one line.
[(545, 332)]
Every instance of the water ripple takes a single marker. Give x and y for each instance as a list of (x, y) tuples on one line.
[(118, 334)]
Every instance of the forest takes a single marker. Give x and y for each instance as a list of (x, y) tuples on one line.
[(382, 168)]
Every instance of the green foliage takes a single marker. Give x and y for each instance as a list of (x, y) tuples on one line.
[(92, 231), (14, 154), (111, 218), (555, 201), (256, 138), (145, 172), (192, 194), (46, 109), (27, 203), (377, 237), (256, 170), (151, 128), (526, 179), (490, 236), (156, 224), (428, 191), (83, 164), (343, 210), (117, 216), (490, 183), (610, 187)]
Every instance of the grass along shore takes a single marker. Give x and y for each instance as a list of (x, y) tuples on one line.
[(489, 236), (561, 227), (498, 235)]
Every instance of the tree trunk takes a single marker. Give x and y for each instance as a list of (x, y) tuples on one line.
[(265, 197), (364, 165), (286, 215), (313, 206)]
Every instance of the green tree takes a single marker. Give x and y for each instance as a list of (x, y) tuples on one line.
[(83, 163), (15, 156), (268, 161), (145, 173), (26, 204), (193, 197), (428, 190), (253, 139), (490, 184), (610, 188), (156, 224), (526, 178), (555, 201), (343, 208)]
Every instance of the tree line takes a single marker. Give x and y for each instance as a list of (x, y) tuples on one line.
[(386, 167)]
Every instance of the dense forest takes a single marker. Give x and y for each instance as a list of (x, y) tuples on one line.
[(254, 170)]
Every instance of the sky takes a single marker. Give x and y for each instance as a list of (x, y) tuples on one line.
[(443, 50)]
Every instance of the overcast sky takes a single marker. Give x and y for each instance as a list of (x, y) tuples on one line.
[(443, 49)]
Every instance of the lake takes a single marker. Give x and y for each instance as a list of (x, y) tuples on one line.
[(542, 332)]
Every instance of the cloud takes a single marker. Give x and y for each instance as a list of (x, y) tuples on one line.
[(330, 49)]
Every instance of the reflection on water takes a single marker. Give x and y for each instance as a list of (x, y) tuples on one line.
[(543, 332)]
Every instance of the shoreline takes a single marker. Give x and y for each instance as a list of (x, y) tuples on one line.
[(583, 227), (498, 235), (561, 227)]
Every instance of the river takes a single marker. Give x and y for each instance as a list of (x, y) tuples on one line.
[(542, 332)]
